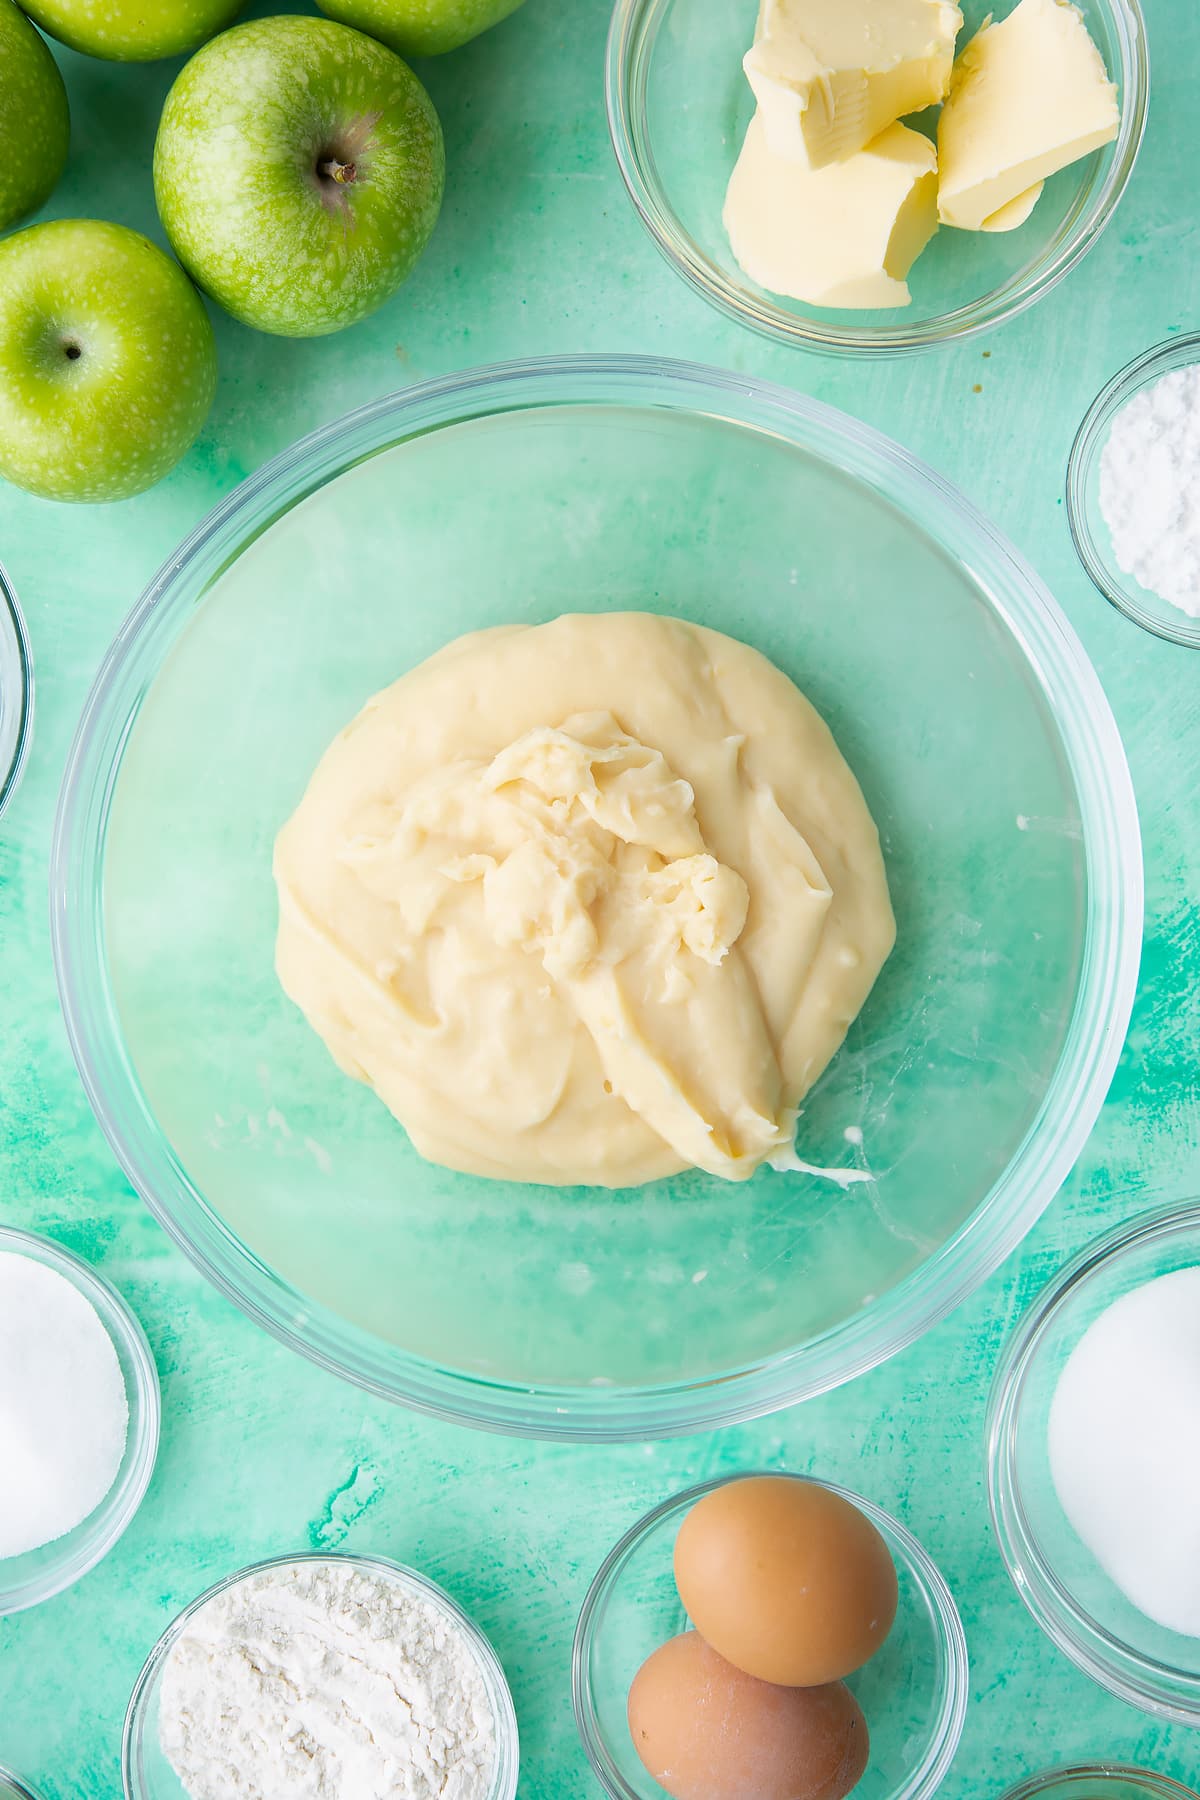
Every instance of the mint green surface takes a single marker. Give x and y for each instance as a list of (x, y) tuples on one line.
[(538, 251)]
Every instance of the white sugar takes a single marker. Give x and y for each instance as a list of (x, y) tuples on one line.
[(1150, 488), (1125, 1446), (64, 1412)]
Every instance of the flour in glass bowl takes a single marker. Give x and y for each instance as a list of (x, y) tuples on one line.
[(326, 1680), (1150, 488)]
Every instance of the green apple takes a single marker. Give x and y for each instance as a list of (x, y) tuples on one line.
[(421, 27), (34, 122), (132, 30), (299, 172), (107, 361)]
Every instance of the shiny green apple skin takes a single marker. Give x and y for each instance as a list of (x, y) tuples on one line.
[(421, 27), (132, 30), (35, 123), (298, 171), (108, 364)]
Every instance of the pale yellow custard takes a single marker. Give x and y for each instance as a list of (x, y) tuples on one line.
[(585, 903)]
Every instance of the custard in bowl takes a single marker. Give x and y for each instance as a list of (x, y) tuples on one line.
[(955, 692), (574, 948)]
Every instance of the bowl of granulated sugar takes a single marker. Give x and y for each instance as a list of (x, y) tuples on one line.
[(79, 1418), (1133, 491), (1094, 1462)]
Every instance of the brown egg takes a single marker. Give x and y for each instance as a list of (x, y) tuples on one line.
[(706, 1731), (786, 1580)]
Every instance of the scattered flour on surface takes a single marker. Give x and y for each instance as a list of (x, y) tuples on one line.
[(321, 1680), (1150, 488)]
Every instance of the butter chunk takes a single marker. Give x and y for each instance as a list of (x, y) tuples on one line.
[(846, 235), (1016, 212), (830, 75), (1029, 96)]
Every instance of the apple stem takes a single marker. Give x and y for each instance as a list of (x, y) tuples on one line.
[(332, 169)]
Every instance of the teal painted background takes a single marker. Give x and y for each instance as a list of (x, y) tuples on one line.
[(539, 251)]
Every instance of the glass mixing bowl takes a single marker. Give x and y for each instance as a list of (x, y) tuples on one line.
[(12, 1789), (1088, 528), (16, 692), (145, 1770), (40, 1574), (965, 706), (1099, 1781), (678, 108), (1072, 1598), (913, 1693)]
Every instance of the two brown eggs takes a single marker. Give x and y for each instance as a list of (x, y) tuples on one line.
[(790, 1589)]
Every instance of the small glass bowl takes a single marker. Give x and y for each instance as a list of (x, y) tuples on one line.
[(16, 692), (678, 107), (145, 1771), (12, 1789), (1084, 516), (913, 1693), (40, 1574), (1074, 1601), (1099, 1781)]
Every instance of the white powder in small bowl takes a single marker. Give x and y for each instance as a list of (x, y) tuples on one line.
[(64, 1412), (326, 1680), (1150, 488), (1125, 1446)]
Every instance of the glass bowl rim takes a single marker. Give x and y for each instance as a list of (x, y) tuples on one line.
[(1180, 351), (504, 1787), (653, 207), (16, 668), (1154, 1787), (77, 1553), (921, 1782), (1141, 1681), (1088, 738), (12, 1785)]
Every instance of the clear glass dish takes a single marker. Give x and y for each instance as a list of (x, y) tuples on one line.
[(40, 1574), (965, 705), (16, 692), (678, 108), (12, 1789), (1099, 1781), (1086, 520), (1069, 1594), (913, 1693), (145, 1771)]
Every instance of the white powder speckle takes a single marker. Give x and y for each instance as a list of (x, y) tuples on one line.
[(1150, 488), (786, 1162), (323, 1680)]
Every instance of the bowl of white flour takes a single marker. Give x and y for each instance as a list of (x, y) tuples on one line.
[(322, 1678), (1133, 491)]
